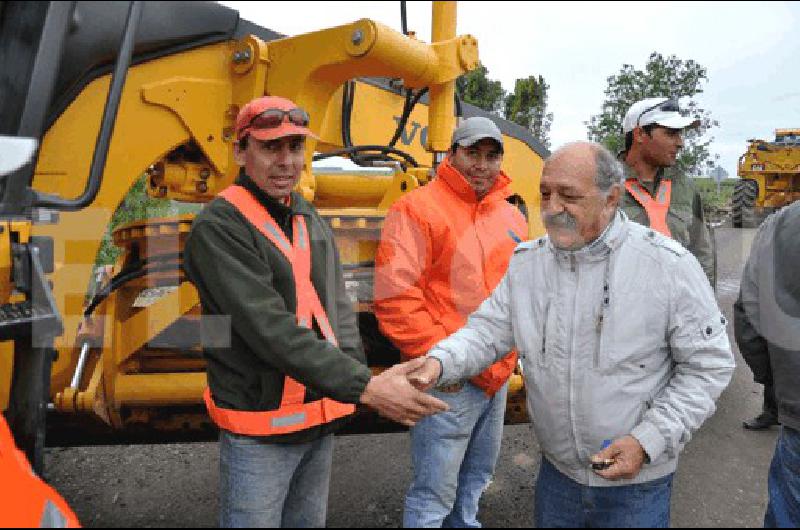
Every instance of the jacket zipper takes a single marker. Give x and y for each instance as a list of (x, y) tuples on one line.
[(475, 216), (604, 306), (545, 328), (570, 376)]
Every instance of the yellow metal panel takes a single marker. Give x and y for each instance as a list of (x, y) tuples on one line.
[(342, 189), (79, 252), (525, 167), (403, 183), (442, 104), (159, 389), (6, 285), (185, 96), (134, 332), (6, 372), (67, 148), (22, 229), (310, 68)]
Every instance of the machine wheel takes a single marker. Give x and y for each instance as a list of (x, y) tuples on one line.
[(744, 204)]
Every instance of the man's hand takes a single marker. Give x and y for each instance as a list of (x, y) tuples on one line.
[(425, 377), (391, 394), (628, 456)]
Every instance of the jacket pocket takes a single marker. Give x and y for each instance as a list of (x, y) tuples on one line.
[(633, 339)]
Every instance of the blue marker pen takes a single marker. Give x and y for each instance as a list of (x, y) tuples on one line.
[(608, 462)]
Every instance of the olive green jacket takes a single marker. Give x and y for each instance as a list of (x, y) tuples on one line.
[(251, 339), (685, 218)]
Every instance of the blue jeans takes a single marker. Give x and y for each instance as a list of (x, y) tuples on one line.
[(783, 510), (563, 503), (454, 454), (273, 485)]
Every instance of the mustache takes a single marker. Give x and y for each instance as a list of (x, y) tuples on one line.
[(560, 220)]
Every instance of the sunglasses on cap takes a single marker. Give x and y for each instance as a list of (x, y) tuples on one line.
[(273, 118), (670, 105)]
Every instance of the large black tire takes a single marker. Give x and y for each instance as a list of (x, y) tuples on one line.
[(744, 204)]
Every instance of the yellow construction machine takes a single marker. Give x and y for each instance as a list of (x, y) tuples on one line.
[(113, 91), (770, 178)]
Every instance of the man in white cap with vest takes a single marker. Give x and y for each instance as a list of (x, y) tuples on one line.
[(657, 195)]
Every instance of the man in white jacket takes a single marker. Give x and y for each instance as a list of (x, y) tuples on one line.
[(623, 346)]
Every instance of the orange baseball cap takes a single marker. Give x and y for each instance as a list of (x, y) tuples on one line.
[(287, 120)]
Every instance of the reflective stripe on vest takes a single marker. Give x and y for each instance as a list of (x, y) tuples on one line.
[(293, 415), (657, 208)]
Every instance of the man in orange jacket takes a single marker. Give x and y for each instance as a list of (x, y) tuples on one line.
[(25, 500), (443, 250)]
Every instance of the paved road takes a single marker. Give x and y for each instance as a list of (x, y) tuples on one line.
[(721, 480)]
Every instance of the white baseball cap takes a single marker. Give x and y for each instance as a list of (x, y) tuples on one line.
[(661, 111)]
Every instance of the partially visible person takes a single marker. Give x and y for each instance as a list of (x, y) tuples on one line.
[(656, 193), (26, 501), (443, 249), (769, 412), (618, 376), (767, 329)]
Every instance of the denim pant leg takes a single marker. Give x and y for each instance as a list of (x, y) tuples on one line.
[(645, 505), (563, 503), (557, 499), (438, 445), (306, 504), (783, 510), (479, 463), (256, 479)]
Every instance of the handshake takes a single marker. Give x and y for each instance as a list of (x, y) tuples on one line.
[(399, 393)]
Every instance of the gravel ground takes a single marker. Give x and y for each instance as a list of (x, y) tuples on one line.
[(721, 481)]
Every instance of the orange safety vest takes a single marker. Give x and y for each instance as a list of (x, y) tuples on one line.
[(25, 500), (656, 208), (293, 415)]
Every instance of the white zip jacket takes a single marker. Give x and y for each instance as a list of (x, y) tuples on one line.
[(621, 337)]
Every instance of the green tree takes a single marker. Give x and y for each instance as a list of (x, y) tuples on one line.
[(661, 77), (136, 206), (527, 106), (477, 89)]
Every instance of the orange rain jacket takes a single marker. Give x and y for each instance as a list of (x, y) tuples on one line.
[(441, 254)]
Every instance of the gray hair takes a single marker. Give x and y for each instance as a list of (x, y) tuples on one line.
[(609, 169)]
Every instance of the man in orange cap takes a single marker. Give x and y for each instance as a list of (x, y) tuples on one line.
[(285, 360)]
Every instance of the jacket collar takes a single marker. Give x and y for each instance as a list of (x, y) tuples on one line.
[(661, 174), (600, 248), (459, 185)]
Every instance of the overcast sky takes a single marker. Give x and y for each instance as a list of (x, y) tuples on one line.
[(751, 51)]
